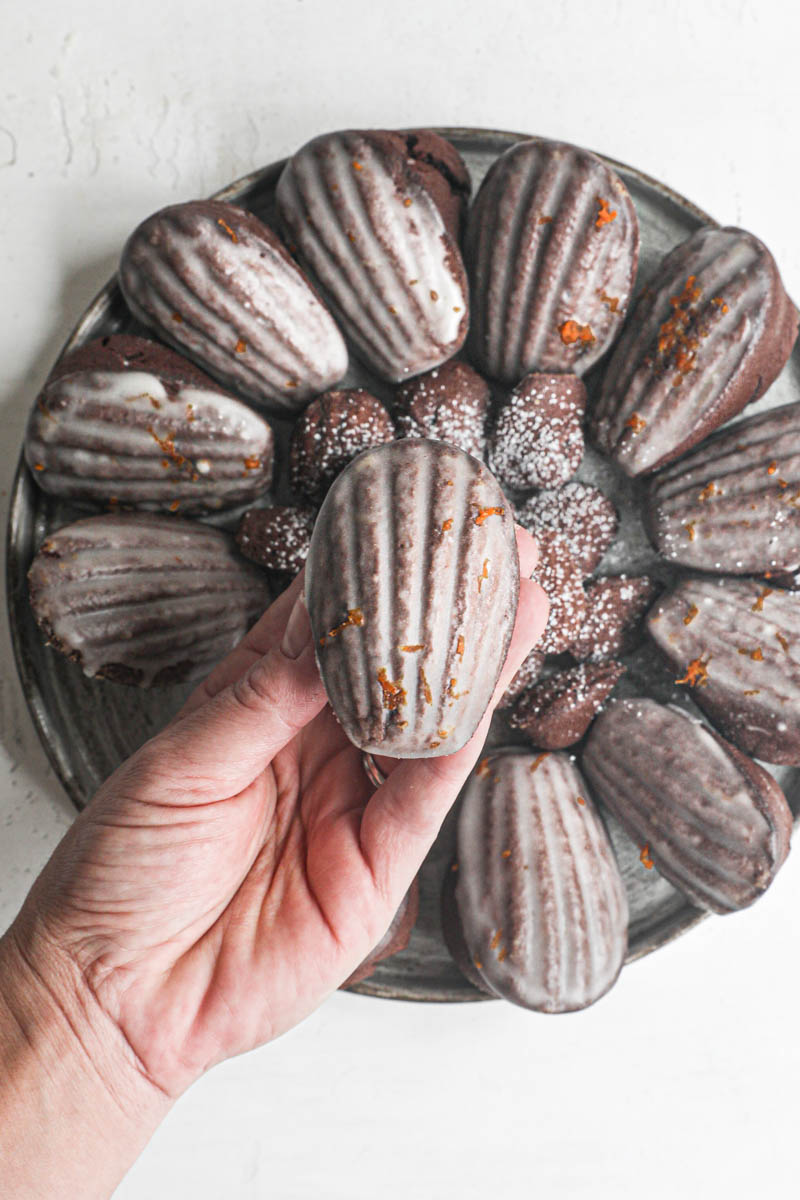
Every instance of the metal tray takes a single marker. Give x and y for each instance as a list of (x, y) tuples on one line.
[(88, 726)]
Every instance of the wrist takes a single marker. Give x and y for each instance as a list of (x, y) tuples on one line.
[(75, 1107)]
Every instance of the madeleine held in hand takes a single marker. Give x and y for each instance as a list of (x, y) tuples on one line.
[(224, 881)]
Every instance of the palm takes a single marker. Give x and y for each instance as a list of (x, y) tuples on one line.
[(263, 904)]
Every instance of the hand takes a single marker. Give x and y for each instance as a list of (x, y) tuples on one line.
[(235, 871)]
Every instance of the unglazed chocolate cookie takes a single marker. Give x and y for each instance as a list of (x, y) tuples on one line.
[(557, 711), (732, 504), (278, 537), (615, 605), (449, 403), (713, 822), (527, 674), (361, 213), (551, 248), (123, 420), (144, 600), (394, 940), (561, 578), (708, 335), (329, 434), (412, 583), (577, 512), (735, 644), (537, 437), (218, 284), (539, 913)]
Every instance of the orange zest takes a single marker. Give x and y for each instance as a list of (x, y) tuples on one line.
[(604, 216), (696, 673), (354, 617), (572, 332), (393, 693)]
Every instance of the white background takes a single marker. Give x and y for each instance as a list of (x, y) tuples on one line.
[(684, 1080)]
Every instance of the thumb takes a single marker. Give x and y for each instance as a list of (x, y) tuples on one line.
[(232, 737)]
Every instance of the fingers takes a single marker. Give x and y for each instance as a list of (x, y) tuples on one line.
[(528, 550), (231, 737), (404, 815), (266, 633)]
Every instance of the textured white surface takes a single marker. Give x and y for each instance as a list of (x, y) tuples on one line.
[(681, 1081)]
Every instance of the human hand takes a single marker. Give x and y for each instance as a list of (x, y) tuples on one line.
[(235, 871)]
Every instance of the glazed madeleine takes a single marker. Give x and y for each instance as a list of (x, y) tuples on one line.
[(736, 644), (539, 913), (144, 600), (551, 248), (362, 215), (219, 285), (123, 420), (713, 822), (412, 582), (732, 504), (707, 336)]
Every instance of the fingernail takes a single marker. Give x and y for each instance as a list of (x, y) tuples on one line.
[(298, 630)]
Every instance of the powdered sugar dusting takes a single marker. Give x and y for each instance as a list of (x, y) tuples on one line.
[(560, 576), (615, 604), (449, 403), (330, 433), (537, 440), (277, 538), (582, 515)]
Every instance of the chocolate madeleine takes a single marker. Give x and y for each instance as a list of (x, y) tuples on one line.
[(449, 403), (360, 211), (713, 822), (732, 505), (736, 644), (218, 284), (144, 600), (537, 438), (394, 940), (551, 248), (557, 711), (412, 581), (580, 514), (615, 605), (329, 434), (125, 421), (277, 537), (540, 907), (708, 335)]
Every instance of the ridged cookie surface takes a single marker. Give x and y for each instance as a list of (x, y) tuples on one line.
[(733, 505), (125, 421), (219, 285), (736, 644), (538, 895), (708, 335), (412, 581), (144, 600), (364, 220), (714, 823), (551, 248)]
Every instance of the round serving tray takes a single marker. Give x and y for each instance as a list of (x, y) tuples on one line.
[(89, 726)]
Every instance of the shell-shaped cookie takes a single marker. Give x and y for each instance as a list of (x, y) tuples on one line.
[(708, 335), (539, 897), (735, 644), (219, 285), (733, 505), (551, 249), (412, 582), (365, 223), (144, 600), (713, 822), (125, 421)]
